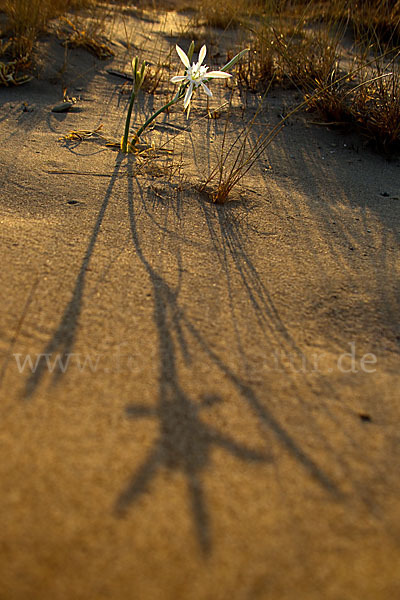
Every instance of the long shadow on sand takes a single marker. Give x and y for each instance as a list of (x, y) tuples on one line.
[(63, 339), (185, 441)]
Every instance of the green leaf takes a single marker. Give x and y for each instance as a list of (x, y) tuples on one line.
[(234, 60)]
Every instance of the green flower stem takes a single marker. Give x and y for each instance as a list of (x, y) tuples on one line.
[(139, 132), (128, 122)]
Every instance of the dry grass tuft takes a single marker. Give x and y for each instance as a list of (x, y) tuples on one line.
[(372, 107), (259, 66), (228, 13), (86, 34), (235, 159), (376, 110), (26, 19), (356, 87)]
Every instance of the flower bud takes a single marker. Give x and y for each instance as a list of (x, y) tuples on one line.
[(234, 60), (190, 51)]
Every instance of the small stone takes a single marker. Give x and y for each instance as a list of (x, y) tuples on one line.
[(62, 106), (385, 194), (365, 417)]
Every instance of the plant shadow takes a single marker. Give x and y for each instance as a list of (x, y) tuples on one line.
[(186, 441)]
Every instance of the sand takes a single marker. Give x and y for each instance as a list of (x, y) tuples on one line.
[(227, 422)]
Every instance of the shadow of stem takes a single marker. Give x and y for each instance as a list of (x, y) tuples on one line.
[(63, 339), (185, 442)]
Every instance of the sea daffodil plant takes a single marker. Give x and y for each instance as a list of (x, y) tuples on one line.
[(138, 78), (196, 76)]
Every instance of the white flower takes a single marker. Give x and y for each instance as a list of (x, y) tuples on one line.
[(196, 74)]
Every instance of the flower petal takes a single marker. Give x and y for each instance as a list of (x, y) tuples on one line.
[(188, 96), (202, 55), (206, 89), (218, 75), (178, 78), (182, 56)]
